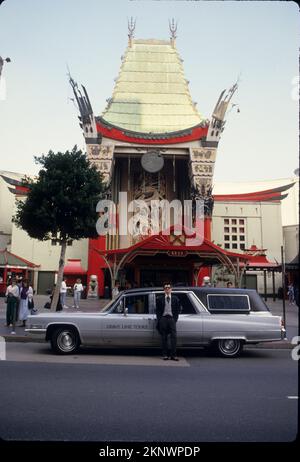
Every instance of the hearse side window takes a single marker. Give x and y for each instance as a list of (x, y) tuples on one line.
[(186, 304), (137, 304), (223, 302)]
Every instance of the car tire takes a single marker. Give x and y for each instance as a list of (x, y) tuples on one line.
[(229, 347), (65, 340)]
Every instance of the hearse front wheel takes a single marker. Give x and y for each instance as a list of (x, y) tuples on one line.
[(229, 348), (65, 340)]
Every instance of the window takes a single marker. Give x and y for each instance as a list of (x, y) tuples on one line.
[(227, 246), (234, 231), (234, 246), (136, 304), (232, 303), (242, 246), (186, 304)]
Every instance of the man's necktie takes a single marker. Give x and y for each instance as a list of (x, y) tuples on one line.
[(168, 299)]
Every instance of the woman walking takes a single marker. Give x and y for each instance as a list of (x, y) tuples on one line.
[(26, 296)]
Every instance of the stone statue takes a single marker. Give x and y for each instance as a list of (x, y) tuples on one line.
[(93, 287)]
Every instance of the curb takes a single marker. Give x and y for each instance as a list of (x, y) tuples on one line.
[(286, 345)]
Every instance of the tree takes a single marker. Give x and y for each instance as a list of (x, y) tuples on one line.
[(61, 203)]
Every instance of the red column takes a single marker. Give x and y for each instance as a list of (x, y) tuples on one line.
[(207, 228), (96, 264)]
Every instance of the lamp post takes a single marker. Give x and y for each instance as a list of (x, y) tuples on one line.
[(283, 286)]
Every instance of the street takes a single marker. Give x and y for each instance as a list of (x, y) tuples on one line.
[(134, 396)]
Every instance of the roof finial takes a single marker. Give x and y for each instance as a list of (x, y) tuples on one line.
[(173, 30), (131, 29)]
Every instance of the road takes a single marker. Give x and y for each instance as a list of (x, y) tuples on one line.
[(137, 397)]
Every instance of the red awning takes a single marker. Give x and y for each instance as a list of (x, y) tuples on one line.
[(73, 266), (163, 242)]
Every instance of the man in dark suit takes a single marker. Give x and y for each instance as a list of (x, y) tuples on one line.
[(167, 311)]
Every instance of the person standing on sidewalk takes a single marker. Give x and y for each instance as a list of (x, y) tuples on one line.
[(291, 294), (116, 290), (26, 296), (167, 311), (12, 294), (63, 293), (77, 289)]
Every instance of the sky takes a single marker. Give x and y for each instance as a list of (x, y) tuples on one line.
[(219, 42)]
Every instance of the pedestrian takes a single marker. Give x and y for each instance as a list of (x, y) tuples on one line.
[(206, 282), (63, 293), (167, 311), (77, 290), (12, 294), (296, 293), (26, 299), (116, 290), (291, 294)]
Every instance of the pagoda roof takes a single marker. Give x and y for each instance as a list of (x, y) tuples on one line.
[(151, 94)]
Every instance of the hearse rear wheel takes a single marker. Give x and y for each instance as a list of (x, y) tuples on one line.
[(229, 347), (65, 340)]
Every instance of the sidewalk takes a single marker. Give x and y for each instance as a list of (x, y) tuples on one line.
[(94, 305)]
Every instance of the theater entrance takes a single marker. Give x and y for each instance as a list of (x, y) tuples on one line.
[(156, 278)]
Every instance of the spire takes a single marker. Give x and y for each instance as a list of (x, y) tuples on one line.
[(2, 62), (131, 29), (173, 30)]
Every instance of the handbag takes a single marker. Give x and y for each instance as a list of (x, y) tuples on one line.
[(30, 304)]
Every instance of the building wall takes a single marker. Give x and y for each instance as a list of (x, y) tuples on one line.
[(291, 242), (262, 224), (289, 205), (43, 252), (262, 228), (7, 204)]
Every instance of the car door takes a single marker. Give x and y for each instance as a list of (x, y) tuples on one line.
[(189, 325), (130, 323), (190, 322)]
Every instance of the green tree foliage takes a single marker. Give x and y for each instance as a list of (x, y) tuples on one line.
[(61, 202)]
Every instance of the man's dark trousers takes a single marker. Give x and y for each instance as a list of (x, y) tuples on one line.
[(167, 326)]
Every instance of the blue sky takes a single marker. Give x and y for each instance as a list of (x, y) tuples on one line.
[(218, 41)]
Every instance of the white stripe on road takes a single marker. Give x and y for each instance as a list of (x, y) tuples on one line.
[(292, 397)]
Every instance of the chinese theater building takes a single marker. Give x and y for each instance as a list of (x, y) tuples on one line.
[(152, 144)]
